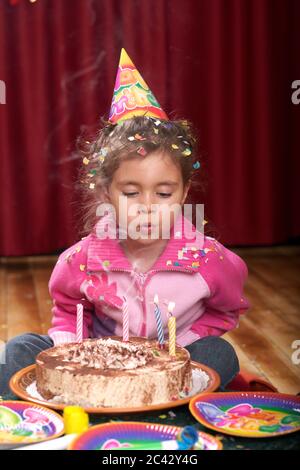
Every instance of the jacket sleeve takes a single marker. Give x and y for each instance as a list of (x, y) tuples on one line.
[(225, 274), (64, 288)]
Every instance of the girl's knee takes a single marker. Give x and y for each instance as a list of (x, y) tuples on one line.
[(218, 354), (27, 342), (223, 348), (19, 352), (21, 341), (219, 343)]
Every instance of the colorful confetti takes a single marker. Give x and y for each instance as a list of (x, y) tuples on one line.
[(141, 151), (196, 165), (104, 151), (139, 137)]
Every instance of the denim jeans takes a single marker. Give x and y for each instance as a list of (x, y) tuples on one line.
[(21, 351)]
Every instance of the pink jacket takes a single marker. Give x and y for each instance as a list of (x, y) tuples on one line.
[(204, 280)]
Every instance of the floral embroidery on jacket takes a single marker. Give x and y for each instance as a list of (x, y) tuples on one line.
[(98, 289)]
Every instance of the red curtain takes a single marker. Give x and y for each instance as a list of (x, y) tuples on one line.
[(228, 65)]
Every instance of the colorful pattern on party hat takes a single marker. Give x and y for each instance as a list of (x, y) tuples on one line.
[(132, 96)]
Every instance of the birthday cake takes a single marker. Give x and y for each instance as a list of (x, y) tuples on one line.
[(108, 372)]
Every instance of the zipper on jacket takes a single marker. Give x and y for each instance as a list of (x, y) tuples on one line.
[(142, 280), (145, 281)]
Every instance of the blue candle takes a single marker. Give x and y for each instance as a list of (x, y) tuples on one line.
[(160, 331)]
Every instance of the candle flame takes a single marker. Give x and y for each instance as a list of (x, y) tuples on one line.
[(171, 307), (156, 299)]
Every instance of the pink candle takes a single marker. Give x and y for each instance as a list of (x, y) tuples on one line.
[(125, 321), (79, 323)]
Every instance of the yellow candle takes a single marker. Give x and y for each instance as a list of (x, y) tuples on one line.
[(172, 336), (172, 330)]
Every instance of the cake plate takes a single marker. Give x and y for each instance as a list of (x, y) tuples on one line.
[(23, 385)]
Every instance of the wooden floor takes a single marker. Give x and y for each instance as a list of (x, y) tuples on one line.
[(263, 339)]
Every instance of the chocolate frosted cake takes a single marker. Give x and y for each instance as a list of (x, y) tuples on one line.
[(111, 373)]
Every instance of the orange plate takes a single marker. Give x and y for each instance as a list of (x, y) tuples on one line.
[(22, 379)]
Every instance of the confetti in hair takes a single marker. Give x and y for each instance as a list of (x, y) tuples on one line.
[(141, 151), (140, 135)]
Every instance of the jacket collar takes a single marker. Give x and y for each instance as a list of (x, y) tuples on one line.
[(179, 254)]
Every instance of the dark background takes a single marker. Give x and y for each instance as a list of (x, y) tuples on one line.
[(228, 65)]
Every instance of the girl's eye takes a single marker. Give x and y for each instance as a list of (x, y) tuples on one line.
[(133, 194), (129, 194)]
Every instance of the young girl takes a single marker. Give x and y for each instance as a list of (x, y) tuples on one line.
[(137, 174)]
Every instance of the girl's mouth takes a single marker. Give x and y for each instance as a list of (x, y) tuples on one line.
[(147, 227)]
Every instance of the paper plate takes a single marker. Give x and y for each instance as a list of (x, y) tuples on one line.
[(23, 385), (23, 423), (248, 414), (121, 435)]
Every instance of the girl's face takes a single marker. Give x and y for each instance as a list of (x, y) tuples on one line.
[(144, 191)]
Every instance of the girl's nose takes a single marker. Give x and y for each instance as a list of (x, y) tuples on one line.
[(146, 204)]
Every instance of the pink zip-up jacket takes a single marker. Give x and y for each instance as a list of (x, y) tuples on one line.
[(204, 279)]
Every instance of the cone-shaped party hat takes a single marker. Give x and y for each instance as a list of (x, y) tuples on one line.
[(132, 96)]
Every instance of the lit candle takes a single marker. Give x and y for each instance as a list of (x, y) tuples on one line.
[(125, 321), (159, 325), (172, 330), (79, 323)]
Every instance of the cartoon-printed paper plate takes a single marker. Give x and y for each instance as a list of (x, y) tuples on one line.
[(248, 414), (122, 435), (25, 423), (23, 384)]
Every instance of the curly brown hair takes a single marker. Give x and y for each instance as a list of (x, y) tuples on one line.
[(139, 135)]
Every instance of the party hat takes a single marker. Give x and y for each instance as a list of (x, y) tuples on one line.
[(132, 96)]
